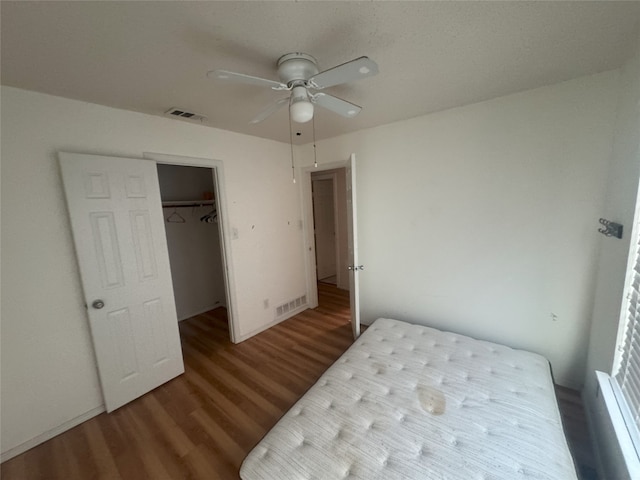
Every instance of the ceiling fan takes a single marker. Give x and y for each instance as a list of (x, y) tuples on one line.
[(299, 75)]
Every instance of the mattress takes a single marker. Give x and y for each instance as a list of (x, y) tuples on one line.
[(412, 402)]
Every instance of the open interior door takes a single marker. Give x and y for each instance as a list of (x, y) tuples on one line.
[(352, 232), (118, 230)]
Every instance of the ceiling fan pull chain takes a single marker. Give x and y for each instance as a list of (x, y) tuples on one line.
[(293, 170), (313, 126)]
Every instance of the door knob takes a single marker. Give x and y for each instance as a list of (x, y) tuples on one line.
[(97, 304)]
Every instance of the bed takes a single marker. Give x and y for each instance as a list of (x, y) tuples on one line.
[(412, 402)]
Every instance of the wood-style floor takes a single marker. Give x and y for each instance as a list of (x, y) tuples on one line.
[(202, 424), (577, 432)]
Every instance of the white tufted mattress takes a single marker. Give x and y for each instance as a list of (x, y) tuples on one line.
[(411, 402)]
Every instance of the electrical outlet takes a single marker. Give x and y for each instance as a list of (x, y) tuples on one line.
[(265, 302), (554, 317)]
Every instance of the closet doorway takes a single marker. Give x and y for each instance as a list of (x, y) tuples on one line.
[(118, 223), (193, 238)]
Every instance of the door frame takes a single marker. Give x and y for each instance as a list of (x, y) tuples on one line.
[(224, 229), (307, 221)]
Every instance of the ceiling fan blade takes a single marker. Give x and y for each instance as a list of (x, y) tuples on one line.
[(354, 70), (335, 104), (248, 79), (270, 110)]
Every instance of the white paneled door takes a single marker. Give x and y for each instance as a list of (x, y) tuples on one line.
[(352, 233), (118, 229)]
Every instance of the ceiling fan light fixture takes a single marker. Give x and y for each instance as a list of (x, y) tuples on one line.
[(300, 107), (301, 112)]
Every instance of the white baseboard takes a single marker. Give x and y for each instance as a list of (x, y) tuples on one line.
[(43, 437), (261, 329)]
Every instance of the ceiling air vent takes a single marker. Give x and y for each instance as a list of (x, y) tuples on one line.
[(184, 114)]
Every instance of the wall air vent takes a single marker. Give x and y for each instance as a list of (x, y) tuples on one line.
[(289, 309), (184, 114)]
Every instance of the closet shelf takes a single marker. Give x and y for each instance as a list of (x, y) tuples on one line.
[(188, 203)]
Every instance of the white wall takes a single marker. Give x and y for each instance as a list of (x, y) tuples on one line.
[(47, 364), (622, 192), (482, 219), (194, 246)]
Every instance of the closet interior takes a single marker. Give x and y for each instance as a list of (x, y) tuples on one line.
[(193, 238)]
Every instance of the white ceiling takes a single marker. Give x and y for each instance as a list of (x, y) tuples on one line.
[(150, 56)]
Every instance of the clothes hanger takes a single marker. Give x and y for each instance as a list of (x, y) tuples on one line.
[(210, 217), (175, 217)]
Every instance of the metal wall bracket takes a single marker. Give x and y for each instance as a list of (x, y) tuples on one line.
[(610, 229)]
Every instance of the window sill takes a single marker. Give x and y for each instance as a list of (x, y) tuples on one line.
[(625, 442)]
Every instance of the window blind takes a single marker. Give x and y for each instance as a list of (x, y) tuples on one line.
[(628, 374)]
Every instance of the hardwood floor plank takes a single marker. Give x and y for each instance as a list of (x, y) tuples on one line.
[(237, 385), (294, 368), (100, 451), (241, 435), (179, 442), (78, 444), (16, 467), (265, 377), (204, 463), (72, 467), (230, 408), (577, 432), (61, 464), (227, 444), (159, 460)]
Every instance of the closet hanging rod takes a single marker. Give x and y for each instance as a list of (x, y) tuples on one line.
[(188, 203)]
